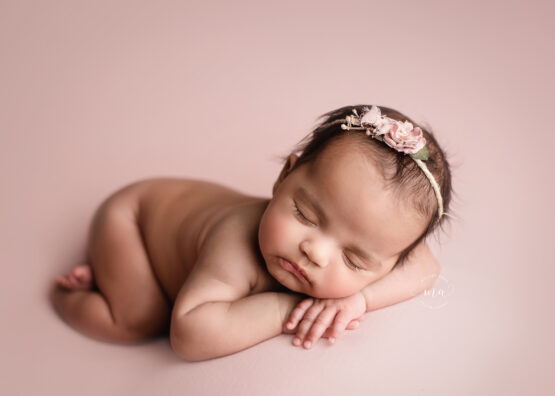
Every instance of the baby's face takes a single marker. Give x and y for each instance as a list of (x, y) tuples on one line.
[(334, 219)]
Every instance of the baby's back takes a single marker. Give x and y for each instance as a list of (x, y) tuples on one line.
[(175, 216)]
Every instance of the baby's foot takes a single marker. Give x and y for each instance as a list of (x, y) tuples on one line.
[(80, 278)]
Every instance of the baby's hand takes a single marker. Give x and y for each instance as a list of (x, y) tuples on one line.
[(327, 318)]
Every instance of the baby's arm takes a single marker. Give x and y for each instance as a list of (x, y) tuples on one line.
[(212, 319), (215, 313), (405, 281)]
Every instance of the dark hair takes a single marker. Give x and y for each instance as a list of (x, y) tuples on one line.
[(399, 170)]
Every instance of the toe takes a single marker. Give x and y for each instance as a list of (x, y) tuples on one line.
[(63, 281), (83, 272), (83, 275), (73, 281), (80, 271)]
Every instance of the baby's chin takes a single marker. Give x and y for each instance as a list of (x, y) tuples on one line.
[(285, 284), (283, 280)]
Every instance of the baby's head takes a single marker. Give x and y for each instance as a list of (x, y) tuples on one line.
[(348, 206)]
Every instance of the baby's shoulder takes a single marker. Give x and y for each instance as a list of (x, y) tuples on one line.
[(230, 250)]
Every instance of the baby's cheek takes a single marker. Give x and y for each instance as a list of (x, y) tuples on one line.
[(279, 230), (274, 229), (340, 285)]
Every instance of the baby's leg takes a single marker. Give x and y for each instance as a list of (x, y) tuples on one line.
[(125, 302)]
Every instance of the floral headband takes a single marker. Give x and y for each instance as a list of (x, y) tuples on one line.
[(400, 136)]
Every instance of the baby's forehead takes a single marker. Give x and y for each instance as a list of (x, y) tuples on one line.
[(352, 145), (346, 159), (348, 184)]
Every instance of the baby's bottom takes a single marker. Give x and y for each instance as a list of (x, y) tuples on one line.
[(121, 299)]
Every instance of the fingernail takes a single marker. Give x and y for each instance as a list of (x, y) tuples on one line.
[(332, 340), (297, 341), (307, 344)]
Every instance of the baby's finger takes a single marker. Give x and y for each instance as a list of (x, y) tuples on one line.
[(329, 331), (319, 326), (306, 323), (299, 311), (353, 324), (339, 325)]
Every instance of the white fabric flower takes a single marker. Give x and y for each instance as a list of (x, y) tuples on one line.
[(371, 118)]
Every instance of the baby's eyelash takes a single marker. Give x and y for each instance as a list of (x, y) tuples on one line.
[(350, 264), (300, 215)]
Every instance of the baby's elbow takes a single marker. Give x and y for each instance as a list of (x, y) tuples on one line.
[(183, 343), (184, 352)]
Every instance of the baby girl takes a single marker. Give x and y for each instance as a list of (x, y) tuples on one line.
[(344, 233)]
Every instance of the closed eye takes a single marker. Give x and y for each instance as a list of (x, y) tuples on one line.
[(302, 218), (351, 264)]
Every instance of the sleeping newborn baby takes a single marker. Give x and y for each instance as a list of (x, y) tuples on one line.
[(343, 233)]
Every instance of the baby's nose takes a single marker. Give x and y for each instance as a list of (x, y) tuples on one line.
[(316, 251)]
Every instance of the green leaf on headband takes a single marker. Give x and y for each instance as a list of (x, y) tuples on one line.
[(423, 154), (379, 137)]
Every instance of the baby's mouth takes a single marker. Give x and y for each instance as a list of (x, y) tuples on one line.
[(294, 268)]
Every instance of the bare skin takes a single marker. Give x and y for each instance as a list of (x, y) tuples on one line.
[(143, 243), (210, 264)]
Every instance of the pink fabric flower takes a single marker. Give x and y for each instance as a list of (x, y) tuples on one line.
[(396, 134), (403, 137)]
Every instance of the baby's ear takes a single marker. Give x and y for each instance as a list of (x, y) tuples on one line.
[(287, 168)]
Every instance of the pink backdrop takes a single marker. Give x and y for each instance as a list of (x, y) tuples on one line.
[(94, 95)]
